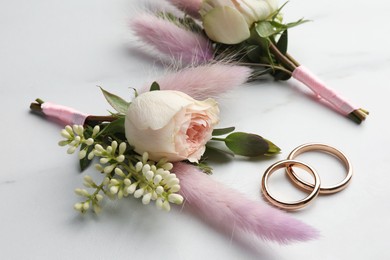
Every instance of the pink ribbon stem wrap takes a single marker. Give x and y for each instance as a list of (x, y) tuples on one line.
[(305, 76), (66, 115)]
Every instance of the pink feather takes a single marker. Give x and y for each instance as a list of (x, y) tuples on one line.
[(204, 81), (190, 7), (172, 40), (229, 209)]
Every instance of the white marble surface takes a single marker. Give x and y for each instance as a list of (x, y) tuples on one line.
[(60, 50)]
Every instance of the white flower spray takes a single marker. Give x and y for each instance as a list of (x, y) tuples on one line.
[(126, 173)]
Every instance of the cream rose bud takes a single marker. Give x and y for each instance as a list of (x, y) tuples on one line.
[(229, 21), (170, 124)]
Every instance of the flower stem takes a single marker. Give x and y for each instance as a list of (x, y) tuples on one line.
[(283, 59)]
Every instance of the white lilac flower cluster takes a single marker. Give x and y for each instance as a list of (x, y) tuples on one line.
[(125, 173)]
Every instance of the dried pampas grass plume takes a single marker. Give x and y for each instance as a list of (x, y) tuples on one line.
[(229, 209)]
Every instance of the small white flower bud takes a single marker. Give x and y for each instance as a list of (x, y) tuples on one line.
[(104, 160), (122, 148), (146, 198), (157, 179), (159, 203), (71, 149), (114, 145), (88, 179), (65, 134), (114, 182), (160, 171), (85, 205), (120, 158), (106, 181), (159, 190), (149, 175), (114, 189), (175, 188), (99, 148), (74, 143), (82, 154), (120, 194), (138, 193), (99, 197), (97, 209), (145, 157), (77, 139), (145, 168), (119, 172), (63, 142), (89, 141), (78, 129), (109, 168), (138, 166), (172, 182), (154, 195), (78, 206), (175, 198), (91, 155), (127, 182), (153, 168), (69, 129), (98, 167), (81, 192), (166, 206), (132, 188), (95, 130), (167, 166), (109, 149)]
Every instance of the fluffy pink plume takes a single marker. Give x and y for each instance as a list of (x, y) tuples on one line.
[(190, 7), (172, 40), (204, 81), (229, 209)]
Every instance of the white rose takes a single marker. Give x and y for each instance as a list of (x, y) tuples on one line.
[(229, 21), (170, 124)]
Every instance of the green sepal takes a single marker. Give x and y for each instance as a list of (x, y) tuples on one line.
[(250, 145), (154, 87), (116, 102), (265, 29), (223, 131), (204, 167)]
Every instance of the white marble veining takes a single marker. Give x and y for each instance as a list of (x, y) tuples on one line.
[(60, 50)]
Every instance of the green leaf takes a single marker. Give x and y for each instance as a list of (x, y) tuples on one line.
[(283, 42), (115, 127), (116, 102), (265, 29), (223, 131), (250, 145), (155, 86)]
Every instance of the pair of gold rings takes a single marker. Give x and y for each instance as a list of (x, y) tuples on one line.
[(314, 188)]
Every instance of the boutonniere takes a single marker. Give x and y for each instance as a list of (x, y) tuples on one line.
[(153, 148), (244, 32)]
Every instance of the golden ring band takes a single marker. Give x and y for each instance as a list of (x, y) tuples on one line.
[(295, 204), (324, 148), (315, 188)]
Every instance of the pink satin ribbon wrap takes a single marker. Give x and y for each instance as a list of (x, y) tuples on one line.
[(66, 115), (305, 76)]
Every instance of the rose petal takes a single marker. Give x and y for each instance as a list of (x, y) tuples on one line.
[(226, 25)]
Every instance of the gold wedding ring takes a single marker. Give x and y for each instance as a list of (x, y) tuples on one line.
[(294, 205), (323, 148)]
